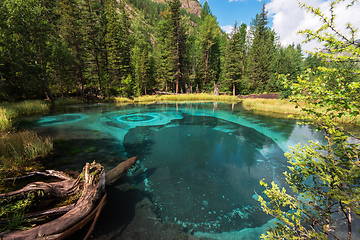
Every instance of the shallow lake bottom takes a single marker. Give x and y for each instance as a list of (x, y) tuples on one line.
[(198, 168)]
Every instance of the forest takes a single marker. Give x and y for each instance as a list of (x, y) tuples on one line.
[(53, 49), (105, 48)]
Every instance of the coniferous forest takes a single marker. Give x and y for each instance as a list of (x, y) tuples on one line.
[(51, 49)]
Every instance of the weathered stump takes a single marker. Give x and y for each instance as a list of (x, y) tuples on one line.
[(90, 184)]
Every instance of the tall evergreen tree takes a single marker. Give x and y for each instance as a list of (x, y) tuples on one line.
[(261, 52), (235, 57), (178, 37), (91, 25), (140, 57), (171, 42), (209, 50), (71, 32), (117, 46)]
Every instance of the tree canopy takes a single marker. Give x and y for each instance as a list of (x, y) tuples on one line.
[(131, 47)]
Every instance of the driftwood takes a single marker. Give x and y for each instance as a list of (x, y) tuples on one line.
[(90, 184), (116, 173)]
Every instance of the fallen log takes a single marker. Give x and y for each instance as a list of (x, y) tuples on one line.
[(90, 184), (116, 173)]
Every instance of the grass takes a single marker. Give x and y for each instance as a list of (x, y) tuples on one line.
[(285, 109), (25, 107), (8, 111), (145, 99), (186, 97), (271, 106), (20, 150), (5, 120)]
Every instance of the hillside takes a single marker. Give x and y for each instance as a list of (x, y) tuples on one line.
[(191, 6), (151, 10)]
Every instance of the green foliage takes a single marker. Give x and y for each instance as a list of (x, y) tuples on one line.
[(324, 178), (209, 52), (15, 212), (289, 63), (261, 54), (27, 43), (52, 49), (117, 46), (235, 57), (171, 43), (152, 11), (5, 120)]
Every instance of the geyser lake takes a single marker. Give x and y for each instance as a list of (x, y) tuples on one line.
[(199, 164)]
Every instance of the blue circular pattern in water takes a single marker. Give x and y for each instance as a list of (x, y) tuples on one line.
[(62, 118), (199, 165), (136, 118)]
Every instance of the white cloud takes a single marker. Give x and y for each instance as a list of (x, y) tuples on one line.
[(289, 18), (227, 28)]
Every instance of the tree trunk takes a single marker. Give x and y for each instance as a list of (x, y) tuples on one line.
[(90, 184), (206, 67)]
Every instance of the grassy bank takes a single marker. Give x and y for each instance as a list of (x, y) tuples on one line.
[(9, 111), (186, 97), (20, 150), (272, 107), (286, 109)]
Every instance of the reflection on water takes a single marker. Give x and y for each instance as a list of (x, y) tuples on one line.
[(200, 164)]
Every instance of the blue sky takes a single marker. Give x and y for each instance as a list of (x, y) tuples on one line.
[(285, 16), (228, 12)]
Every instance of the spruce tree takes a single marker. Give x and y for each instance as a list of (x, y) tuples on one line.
[(171, 44), (261, 53), (91, 25), (117, 47), (235, 57), (71, 32), (208, 50), (178, 38)]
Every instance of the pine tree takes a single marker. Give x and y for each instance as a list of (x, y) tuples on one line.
[(261, 52), (117, 47), (178, 38), (171, 43), (209, 50), (71, 32), (235, 57), (91, 25), (140, 56)]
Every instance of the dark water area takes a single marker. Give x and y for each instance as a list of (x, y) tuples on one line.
[(198, 168)]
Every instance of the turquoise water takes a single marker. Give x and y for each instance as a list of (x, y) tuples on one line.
[(200, 164)]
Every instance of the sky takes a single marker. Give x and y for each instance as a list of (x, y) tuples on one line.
[(285, 17)]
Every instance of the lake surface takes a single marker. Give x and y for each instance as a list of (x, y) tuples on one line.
[(199, 165)]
